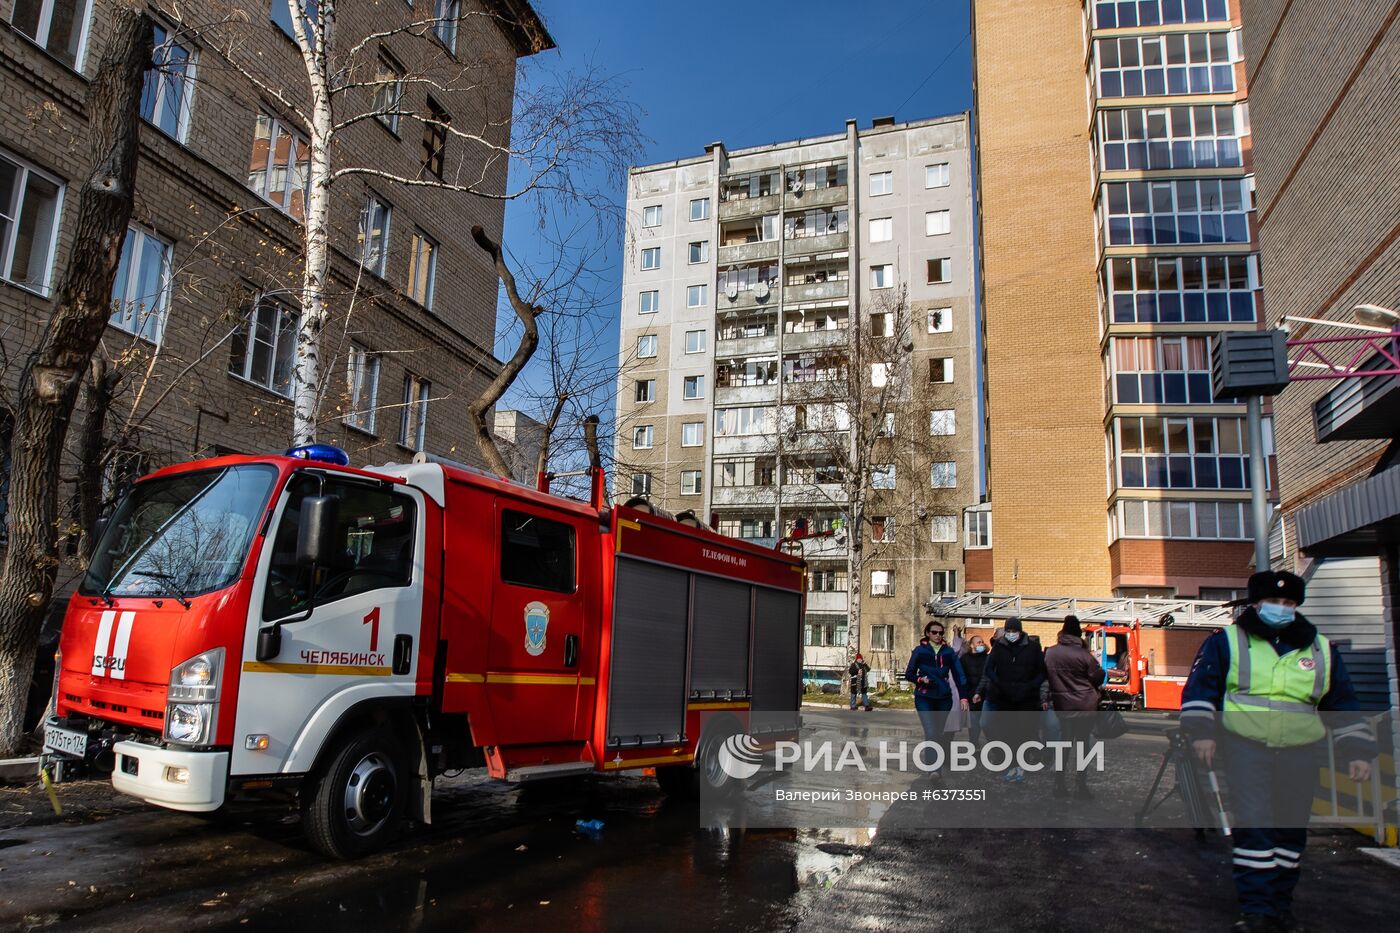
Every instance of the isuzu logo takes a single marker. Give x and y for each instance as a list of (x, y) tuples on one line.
[(108, 652)]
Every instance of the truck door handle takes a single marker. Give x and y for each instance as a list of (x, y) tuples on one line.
[(403, 653), (571, 651)]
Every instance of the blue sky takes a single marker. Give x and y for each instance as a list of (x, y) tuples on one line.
[(749, 73)]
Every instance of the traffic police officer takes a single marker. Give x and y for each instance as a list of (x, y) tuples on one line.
[(1257, 687)]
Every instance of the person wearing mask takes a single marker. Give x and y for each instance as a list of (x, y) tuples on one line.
[(931, 665), (1075, 677), (974, 662), (1011, 681), (1256, 688), (859, 673)]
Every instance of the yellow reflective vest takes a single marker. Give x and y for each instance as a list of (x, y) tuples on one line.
[(1272, 698)]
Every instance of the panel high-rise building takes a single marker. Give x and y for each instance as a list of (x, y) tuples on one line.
[(798, 332), (1117, 225)]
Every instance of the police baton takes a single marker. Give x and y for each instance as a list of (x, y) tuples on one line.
[(1219, 803)]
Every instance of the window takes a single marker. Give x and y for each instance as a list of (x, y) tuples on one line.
[(1207, 210), (700, 209), (649, 302), (882, 476), (281, 15), (748, 471), (881, 584), (642, 437), (881, 229), (814, 471), (940, 369), (937, 223), (651, 216), (940, 271), (641, 484), (362, 383), (823, 631), (1176, 63), (699, 251), (881, 324), (882, 183), (29, 206), (942, 423), (695, 341), (882, 636), (816, 222), (882, 276), (690, 482), (414, 426), (943, 528), (1160, 370), (646, 345), (651, 257), (1218, 521), (879, 375), (60, 26), (943, 581), (827, 580), (141, 289), (943, 474), (736, 422), (882, 528), (936, 176), (977, 528), (693, 434), (747, 526), (1110, 15), (374, 530), (434, 142), (169, 83), (697, 296), (1182, 453), (279, 166), (388, 90), (646, 390), (264, 351), (374, 235), (940, 320), (1192, 289), (887, 425), (446, 13), (1203, 136), (422, 268), (537, 552), (693, 387)]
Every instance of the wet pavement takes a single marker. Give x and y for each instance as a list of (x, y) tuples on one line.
[(510, 855)]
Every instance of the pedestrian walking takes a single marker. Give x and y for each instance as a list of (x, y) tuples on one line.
[(934, 670), (1251, 703), (1011, 681), (1075, 677), (859, 673), (974, 662)]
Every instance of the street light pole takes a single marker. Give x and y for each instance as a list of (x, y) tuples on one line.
[(1258, 482)]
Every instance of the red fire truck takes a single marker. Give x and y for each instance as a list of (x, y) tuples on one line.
[(279, 623)]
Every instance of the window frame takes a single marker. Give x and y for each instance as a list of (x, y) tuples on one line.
[(700, 342), (415, 409), (446, 23), (697, 296), (945, 215), (386, 112), (130, 266), (888, 183), (23, 170), (650, 393), (655, 295), (945, 269), (249, 340), (886, 227), (433, 157), (372, 200), (421, 238), (299, 142), (704, 209), (697, 487), (703, 252), (507, 548), (163, 81), (44, 28), (696, 383), (699, 427), (949, 472), (931, 172), (881, 275), (945, 316), (650, 220), (651, 252), (360, 362), (940, 418), (645, 433), (644, 342), (949, 522)]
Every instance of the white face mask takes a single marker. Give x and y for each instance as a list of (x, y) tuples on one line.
[(1012, 637)]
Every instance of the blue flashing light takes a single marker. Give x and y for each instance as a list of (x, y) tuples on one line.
[(324, 453)]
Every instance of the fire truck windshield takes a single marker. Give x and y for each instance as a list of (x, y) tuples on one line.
[(180, 535)]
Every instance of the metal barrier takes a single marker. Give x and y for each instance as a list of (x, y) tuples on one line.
[(1335, 808)]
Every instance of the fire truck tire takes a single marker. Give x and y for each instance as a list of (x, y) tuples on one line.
[(706, 775), (357, 803)]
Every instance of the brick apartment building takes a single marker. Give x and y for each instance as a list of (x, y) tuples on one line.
[(756, 297), (205, 300), (1325, 105), (1117, 235)]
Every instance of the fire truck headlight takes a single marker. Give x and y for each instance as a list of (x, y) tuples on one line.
[(187, 723), (197, 679)]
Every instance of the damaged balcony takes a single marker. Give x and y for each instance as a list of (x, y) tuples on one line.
[(817, 231), (746, 286), (751, 193), (746, 380), (749, 239), (818, 184), (816, 277), (739, 334)]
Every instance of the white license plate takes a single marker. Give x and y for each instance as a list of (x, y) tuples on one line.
[(64, 740)]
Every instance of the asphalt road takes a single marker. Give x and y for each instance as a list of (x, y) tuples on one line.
[(502, 855)]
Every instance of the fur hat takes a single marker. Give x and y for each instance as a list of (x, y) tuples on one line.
[(1276, 584), (1013, 625)]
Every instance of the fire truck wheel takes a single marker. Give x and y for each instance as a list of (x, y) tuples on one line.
[(357, 804)]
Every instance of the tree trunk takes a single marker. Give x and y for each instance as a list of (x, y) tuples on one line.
[(542, 461), (48, 386), (97, 399), (306, 383)]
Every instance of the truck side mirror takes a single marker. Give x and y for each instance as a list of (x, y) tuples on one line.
[(316, 531)]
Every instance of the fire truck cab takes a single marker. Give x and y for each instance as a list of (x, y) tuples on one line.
[(253, 624)]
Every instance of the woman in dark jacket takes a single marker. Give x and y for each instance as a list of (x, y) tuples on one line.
[(930, 666), (974, 662), (1075, 677)]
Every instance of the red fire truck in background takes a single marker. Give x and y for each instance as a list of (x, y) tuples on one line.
[(290, 623)]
